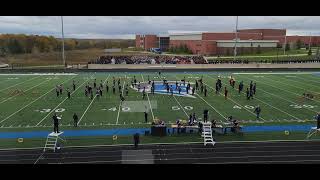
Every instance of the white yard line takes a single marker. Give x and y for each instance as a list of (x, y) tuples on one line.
[(148, 100), (279, 96), (19, 83), (308, 79), (25, 91), (39, 74), (209, 105), (285, 90), (4, 81), (32, 102), (293, 86), (120, 103), (213, 108), (91, 102), (60, 103), (268, 104), (229, 98), (296, 82), (181, 106)]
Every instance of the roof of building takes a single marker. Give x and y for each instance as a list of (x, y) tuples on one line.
[(245, 41)]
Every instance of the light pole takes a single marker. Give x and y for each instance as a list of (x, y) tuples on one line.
[(63, 57), (235, 44), (285, 45), (310, 42)]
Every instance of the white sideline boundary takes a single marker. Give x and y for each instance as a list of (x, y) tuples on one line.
[(150, 144), (39, 74), (284, 73)]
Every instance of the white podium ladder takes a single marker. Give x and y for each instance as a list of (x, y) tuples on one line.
[(207, 134), (52, 140)]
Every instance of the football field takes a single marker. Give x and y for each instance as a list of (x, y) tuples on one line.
[(29, 100)]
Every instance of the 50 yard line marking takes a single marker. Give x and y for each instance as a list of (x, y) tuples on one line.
[(32, 102), (148, 100), (91, 102), (60, 103), (120, 101), (208, 104)]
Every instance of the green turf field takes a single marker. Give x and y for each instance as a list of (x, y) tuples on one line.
[(29, 101)]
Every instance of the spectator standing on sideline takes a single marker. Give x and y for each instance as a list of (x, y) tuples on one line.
[(75, 120), (136, 139)]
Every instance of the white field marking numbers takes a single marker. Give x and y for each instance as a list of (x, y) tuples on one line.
[(302, 106), (126, 109), (60, 110), (176, 108), (246, 106), (112, 109), (157, 77)]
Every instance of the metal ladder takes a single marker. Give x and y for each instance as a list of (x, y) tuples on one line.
[(52, 140), (207, 134), (51, 143)]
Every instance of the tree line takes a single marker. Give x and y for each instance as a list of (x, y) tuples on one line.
[(26, 44)]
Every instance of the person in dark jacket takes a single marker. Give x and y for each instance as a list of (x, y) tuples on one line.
[(55, 123), (75, 120), (146, 117), (257, 111), (136, 139), (318, 120)]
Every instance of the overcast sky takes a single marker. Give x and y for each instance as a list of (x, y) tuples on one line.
[(126, 26)]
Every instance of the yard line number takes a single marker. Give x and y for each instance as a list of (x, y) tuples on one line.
[(60, 110), (176, 108)]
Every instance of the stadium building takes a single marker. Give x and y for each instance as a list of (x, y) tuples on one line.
[(223, 43)]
